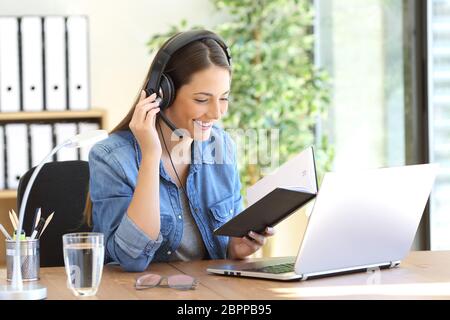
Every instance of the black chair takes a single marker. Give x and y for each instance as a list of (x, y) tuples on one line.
[(60, 187)]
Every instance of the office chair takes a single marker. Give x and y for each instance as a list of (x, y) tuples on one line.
[(60, 187)]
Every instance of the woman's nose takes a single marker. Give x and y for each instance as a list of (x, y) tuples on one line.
[(214, 111)]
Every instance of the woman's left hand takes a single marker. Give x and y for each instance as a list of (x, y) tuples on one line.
[(239, 248)]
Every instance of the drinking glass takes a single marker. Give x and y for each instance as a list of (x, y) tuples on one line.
[(83, 260)]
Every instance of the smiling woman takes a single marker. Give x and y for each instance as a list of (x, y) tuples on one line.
[(157, 197)]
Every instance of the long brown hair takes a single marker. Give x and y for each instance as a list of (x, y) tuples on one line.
[(194, 57)]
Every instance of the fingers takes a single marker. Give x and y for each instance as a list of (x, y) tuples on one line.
[(254, 246), (142, 96), (143, 107), (269, 232), (145, 102), (151, 117), (144, 99), (260, 239)]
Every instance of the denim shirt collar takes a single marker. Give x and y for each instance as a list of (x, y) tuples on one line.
[(199, 155)]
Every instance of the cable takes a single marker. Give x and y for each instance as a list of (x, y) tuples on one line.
[(173, 166)]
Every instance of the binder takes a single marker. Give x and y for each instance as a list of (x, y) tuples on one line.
[(62, 132), (78, 65), (55, 63), (32, 64), (2, 158), (16, 153), (84, 127), (9, 65), (273, 198), (41, 142)]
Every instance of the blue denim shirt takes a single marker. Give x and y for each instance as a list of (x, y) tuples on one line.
[(213, 187)]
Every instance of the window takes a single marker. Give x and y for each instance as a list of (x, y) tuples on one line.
[(439, 118), (360, 44)]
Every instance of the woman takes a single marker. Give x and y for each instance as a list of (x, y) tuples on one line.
[(157, 198)]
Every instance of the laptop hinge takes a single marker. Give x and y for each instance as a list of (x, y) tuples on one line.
[(394, 264)]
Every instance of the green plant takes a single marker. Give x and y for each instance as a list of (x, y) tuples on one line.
[(274, 83)]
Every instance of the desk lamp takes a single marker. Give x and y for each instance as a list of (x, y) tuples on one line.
[(17, 290)]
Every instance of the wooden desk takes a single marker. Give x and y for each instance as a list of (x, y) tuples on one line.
[(423, 275)]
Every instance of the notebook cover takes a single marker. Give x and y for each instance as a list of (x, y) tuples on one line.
[(268, 211)]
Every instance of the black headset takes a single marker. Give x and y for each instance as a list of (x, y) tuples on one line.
[(160, 82)]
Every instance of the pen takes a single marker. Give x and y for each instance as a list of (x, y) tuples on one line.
[(13, 222), (5, 233), (38, 228), (46, 224)]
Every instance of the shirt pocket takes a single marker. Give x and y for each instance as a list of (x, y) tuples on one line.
[(167, 224), (223, 210)]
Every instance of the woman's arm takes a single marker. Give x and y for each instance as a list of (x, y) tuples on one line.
[(111, 194), (144, 207)]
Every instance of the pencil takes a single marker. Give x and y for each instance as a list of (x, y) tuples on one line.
[(6, 234), (15, 217), (13, 222), (37, 218), (46, 223)]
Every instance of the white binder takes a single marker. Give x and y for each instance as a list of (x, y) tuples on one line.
[(64, 131), (78, 77), (84, 127), (9, 65), (41, 140), (16, 153), (2, 159), (32, 78), (55, 63)]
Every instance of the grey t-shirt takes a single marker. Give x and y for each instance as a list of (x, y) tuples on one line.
[(191, 246)]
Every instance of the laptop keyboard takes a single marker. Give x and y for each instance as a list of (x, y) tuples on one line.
[(276, 269)]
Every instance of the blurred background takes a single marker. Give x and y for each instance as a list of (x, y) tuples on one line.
[(366, 82)]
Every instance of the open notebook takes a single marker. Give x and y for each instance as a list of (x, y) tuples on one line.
[(276, 196)]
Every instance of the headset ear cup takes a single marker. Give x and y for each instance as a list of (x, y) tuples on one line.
[(168, 91)]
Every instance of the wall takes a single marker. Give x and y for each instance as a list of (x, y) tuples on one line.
[(119, 31)]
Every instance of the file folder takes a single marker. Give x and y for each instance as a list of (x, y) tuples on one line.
[(41, 142), (78, 64), (62, 132), (9, 65), (32, 64), (16, 153), (2, 158), (84, 127), (55, 63)]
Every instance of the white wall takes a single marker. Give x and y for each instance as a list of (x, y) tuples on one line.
[(119, 30)]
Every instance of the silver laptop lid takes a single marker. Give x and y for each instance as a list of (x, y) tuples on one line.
[(364, 218)]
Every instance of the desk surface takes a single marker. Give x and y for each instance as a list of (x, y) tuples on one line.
[(422, 275)]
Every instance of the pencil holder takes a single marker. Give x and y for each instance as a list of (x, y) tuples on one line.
[(29, 259)]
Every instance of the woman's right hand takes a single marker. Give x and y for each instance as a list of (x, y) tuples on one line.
[(142, 125)]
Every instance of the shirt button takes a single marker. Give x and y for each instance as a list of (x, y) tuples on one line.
[(179, 216), (196, 209), (231, 210), (169, 252)]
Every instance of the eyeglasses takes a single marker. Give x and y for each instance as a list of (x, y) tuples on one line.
[(179, 281)]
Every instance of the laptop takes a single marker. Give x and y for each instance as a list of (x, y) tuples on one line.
[(360, 220)]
